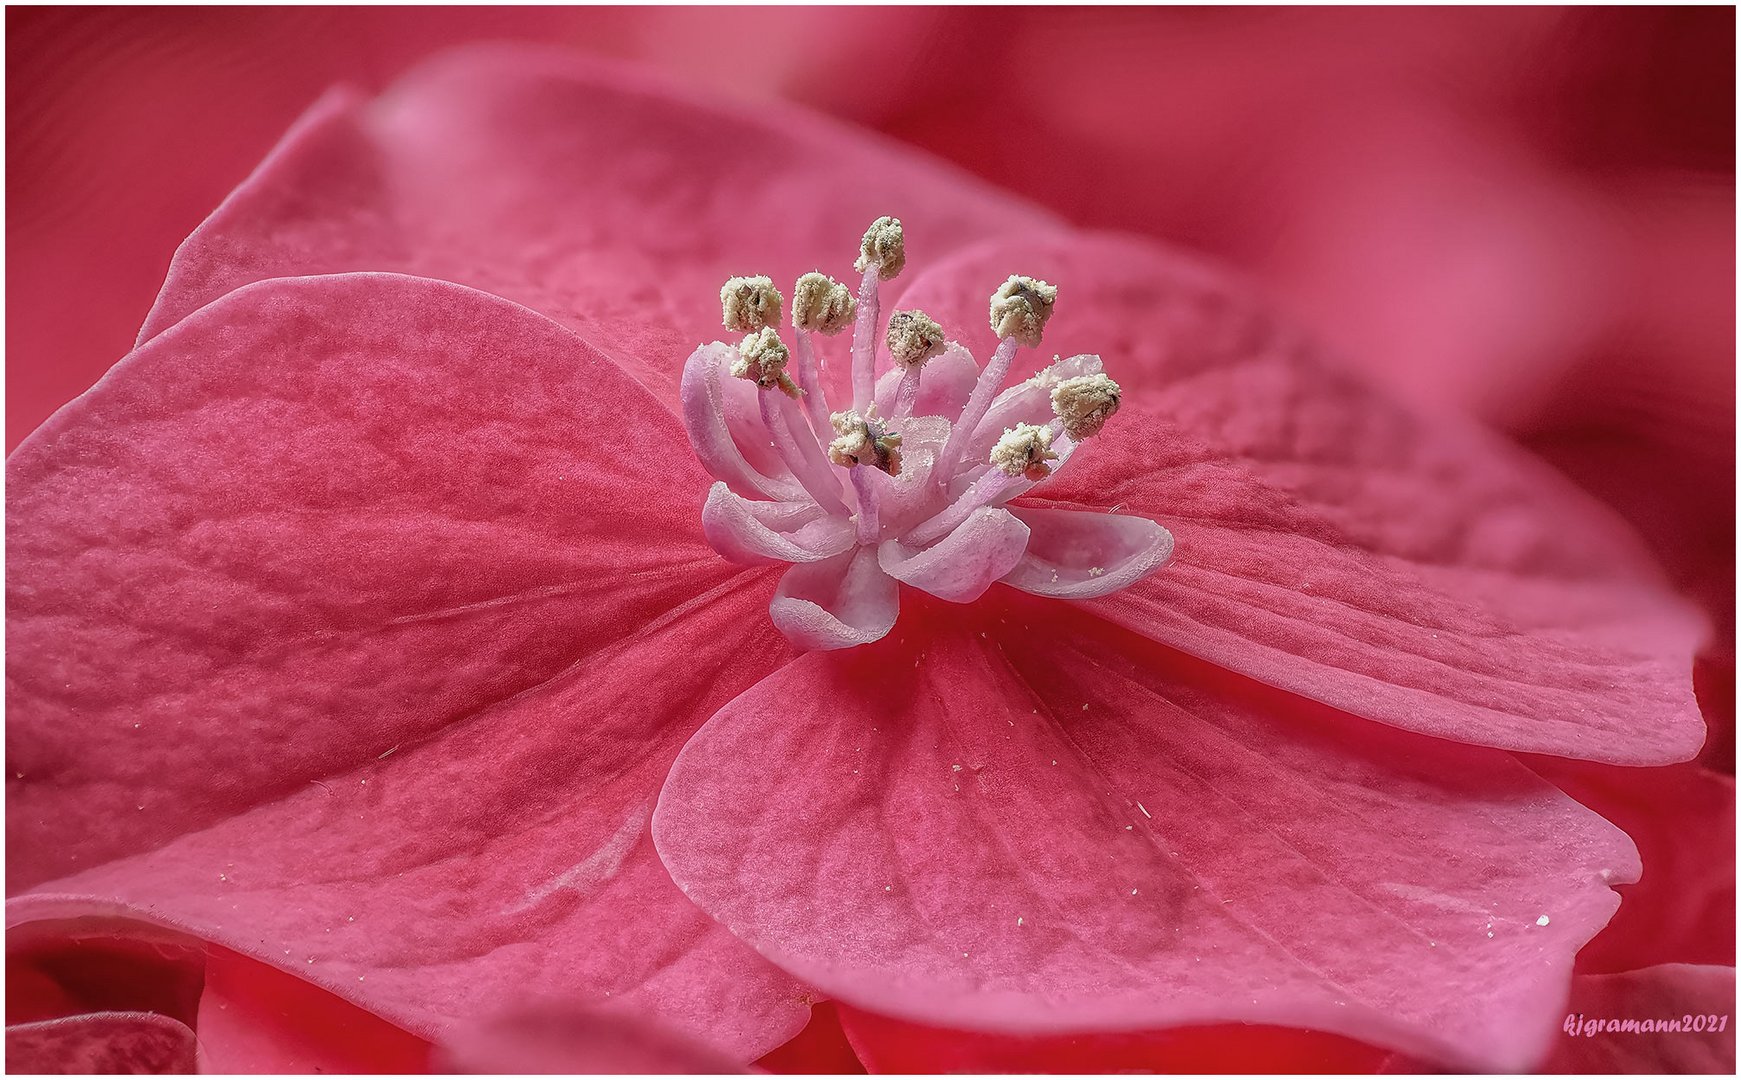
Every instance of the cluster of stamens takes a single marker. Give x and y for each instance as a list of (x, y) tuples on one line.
[(856, 439)]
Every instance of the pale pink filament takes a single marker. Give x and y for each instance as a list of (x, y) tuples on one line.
[(864, 342), (801, 454), (990, 381)]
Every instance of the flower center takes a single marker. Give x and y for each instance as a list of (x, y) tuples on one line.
[(906, 482)]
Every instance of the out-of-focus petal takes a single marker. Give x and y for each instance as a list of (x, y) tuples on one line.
[(1398, 565), (605, 198), (1698, 998), (559, 1038), (1036, 823)]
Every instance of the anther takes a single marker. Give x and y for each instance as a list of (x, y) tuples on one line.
[(822, 305), (1020, 309), (1024, 451), (913, 338), (750, 303), (864, 441), (762, 359), (884, 247), (1084, 404)]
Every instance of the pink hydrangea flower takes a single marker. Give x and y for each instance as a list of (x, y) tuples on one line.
[(364, 621)]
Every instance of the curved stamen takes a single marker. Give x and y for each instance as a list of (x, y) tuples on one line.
[(978, 403), (802, 455), (815, 400)]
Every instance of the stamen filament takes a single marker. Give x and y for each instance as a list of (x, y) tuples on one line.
[(803, 456), (978, 404), (815, 402), (864, 341), (992, 483), (869, 529), (907, 392)]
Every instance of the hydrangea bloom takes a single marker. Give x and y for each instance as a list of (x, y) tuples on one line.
[(363, 621)]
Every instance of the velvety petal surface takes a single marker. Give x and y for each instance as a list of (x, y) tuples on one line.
[(340, 636), (1396, 564), (135, 1043), (602, 197), (1034, 822)]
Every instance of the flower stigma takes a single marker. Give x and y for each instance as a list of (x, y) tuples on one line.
[(908, 480)]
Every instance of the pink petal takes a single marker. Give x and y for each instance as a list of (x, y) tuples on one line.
[(749, 531), (820, 1048), (339, 632), (889, 825), (1074, 555), (575, 188), (1670, 992), (944, 385), (895, 1046), (836, 604), (962, 565), (115, 1042), (1682, 910), (720, 449), (559, 1038), (1399, 565)]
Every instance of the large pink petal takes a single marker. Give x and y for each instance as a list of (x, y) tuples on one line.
[(353, 624), (1395, 564), (604, 198), (1032, 822), (114, 1042)]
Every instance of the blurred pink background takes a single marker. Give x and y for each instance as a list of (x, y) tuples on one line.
[(1526, 211)]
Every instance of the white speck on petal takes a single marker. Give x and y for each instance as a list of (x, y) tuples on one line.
[(1543, 921)]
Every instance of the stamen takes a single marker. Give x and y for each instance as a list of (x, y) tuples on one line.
[(750, 303), (884, 247), (869, 528), (913, 338), (762, 358), (815, 400), (882, 254), (864, 441), (1020, 309), (1020, 455), (1084, 404), (1023, 451), (802, 455), (821, 304)]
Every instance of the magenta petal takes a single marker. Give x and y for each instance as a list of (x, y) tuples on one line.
[(1035, 824), (962, 565), (1074, 555), (836, 604), (110, 1042), (1398, 565), (710, 433), (608, 200), (749, 531), (353, 624)]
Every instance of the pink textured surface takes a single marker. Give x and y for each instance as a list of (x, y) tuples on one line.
[(1396, 564), (420, 607), (413, 622), (1026, 821), (116, 1042), (556, 1038)]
